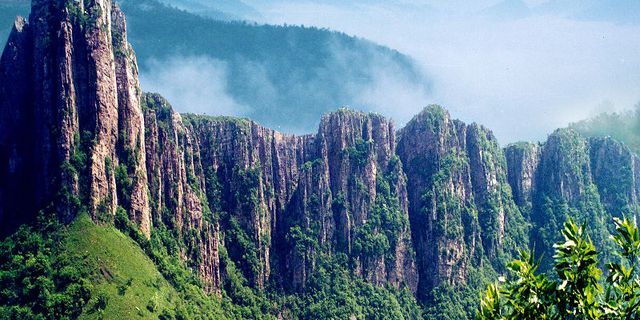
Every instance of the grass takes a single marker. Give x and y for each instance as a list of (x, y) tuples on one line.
[(127, 285)]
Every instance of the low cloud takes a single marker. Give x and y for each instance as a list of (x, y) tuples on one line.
[(520, 74), (192, 85)]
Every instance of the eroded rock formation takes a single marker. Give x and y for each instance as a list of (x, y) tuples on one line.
[(417, 208)]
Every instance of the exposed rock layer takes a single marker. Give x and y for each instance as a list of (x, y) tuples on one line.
[(420, 209)]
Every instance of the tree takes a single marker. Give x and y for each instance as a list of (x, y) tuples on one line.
[(576, 291)]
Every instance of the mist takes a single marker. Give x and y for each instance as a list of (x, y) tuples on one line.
[(520, 68), (195, 84)]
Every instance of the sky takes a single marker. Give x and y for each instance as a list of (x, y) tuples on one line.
[(521, 68)]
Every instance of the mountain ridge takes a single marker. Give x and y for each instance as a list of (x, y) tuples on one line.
[(424, 212)]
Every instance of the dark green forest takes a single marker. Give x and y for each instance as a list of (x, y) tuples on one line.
[(161, 215)]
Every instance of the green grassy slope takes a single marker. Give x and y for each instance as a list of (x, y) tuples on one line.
[(124, 275), (86, 270)]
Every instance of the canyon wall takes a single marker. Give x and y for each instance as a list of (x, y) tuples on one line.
[(414, 208)]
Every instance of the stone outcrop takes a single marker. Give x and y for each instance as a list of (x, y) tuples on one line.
[(564, 188), (459, 200), (615, 172), (78, 98), (274, 189), (522, 164), (417, 208)]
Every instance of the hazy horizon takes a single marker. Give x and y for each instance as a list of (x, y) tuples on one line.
[(520, 68)]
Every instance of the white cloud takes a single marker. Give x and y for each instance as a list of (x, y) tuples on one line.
[(192, 85), (521, 77)]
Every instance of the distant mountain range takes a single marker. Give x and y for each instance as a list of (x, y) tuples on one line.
[(285, 77), (115, 206)]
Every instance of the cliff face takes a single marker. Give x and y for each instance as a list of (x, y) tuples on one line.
[(293, 197), (615, 172), (459, 200), (522, 164), (421, 209), (565, 188), (71, 101), (77, 133), (15, 177)]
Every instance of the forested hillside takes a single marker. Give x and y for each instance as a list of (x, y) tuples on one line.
[(113, 205)]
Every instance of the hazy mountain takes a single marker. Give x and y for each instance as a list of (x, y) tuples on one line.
[(9, 9), (623, 126), (219, 9), (115, 206), (281, 76)]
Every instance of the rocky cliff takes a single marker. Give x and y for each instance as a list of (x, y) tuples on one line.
[(590, 181), (416, 208), (615, 172), (69, 83), (522, 159), (460, 203)]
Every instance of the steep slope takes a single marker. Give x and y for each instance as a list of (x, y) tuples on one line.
[(522, 163), (128, 280), (590, 181), (65, 103), (616, 173), (460, 203), (353, 221), (565, 188)]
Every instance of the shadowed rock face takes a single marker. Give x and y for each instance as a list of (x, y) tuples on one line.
[(615, 173), (522, 163), (419, 207), (460, 203), (77, 107)]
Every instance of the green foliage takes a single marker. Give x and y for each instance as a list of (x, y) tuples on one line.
[(124, 279), (191, 301), (379, 235), (245, 251), (451, 302), (576, 291), (39, 279), (333, 293), (450, 210), (359, 154), (87, 18), (567, 192)]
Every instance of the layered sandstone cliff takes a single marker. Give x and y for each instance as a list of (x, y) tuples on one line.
[(418, 207)]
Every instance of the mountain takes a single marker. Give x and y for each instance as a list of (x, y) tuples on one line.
[(9, 9), (221, 9), (284, 77), (623, 126), (103, 188)]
